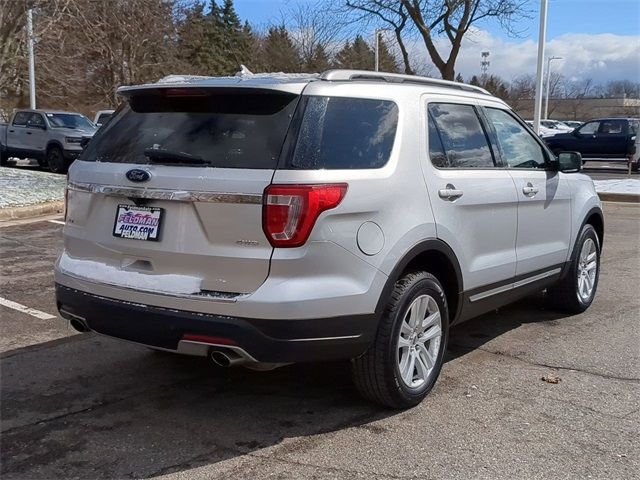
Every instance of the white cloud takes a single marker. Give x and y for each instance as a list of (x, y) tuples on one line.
[(601, 57)]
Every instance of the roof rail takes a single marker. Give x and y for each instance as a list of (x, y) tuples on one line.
[(351, 75)]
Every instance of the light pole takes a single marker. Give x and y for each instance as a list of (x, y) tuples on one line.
[(540, 65), (546, 96), (377, 33), (32, 63)]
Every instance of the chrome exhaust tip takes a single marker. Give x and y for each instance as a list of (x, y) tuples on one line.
[(220, 358), (79, 325)]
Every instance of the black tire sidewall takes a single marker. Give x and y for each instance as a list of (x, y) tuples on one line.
[(429, 286), (55, 167), (587, 232)]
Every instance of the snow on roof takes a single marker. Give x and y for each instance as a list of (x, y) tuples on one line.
[(291, 82)]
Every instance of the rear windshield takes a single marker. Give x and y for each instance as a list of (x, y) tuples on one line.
[(344, 133), (223, 128)]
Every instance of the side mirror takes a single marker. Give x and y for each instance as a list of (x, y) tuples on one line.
[(569, 162)]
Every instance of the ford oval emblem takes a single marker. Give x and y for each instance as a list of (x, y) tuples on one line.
[(138, 175)]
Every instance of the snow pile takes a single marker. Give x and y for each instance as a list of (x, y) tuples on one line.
[(102, 273), (26, 187), (623, 185)]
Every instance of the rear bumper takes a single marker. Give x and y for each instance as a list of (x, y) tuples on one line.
[(266, 340)]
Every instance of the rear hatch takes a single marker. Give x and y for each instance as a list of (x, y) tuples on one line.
[(171, 190)]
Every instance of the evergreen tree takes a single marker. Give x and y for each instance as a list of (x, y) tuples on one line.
[(215, 42), (319, 61), (459, 78), (356, 55), (386, 61), (278, 53)]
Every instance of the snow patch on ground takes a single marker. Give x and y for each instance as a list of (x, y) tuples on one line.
[(102, 273), (624, 185), (21, 188)]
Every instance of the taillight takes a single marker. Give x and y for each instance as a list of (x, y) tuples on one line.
[(290, 211)]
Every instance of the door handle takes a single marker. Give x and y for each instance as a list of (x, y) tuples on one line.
[(450, 193), (12, 131), (28, 133), (529, 190)]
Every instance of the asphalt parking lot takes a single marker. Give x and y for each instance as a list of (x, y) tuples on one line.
[(83, 406)]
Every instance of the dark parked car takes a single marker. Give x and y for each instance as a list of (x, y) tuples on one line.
[(613, 139)]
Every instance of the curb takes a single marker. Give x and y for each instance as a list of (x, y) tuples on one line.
[(37, 210), (619, 197)]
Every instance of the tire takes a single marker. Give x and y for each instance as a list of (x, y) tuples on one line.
[(42, 162), (635, 165), (377, 373), (568, 295), (4, 158), (56, 161)]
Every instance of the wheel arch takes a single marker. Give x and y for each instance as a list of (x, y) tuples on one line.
[(53, 143), (438, 258), (595, 218)]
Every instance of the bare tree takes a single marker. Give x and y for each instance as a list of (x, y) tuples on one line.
[(452, 19), (578, 91), (13, 43), (391, 14), (316, 30)]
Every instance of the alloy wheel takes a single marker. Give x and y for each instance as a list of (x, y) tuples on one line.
[(419, 341)]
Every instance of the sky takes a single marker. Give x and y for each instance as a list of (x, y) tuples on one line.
[(598, 39)]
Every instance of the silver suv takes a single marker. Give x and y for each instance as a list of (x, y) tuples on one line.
[(269, 219)]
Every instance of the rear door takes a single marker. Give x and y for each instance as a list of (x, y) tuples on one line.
[(16, 131), (544, 196), (473, 197), (35, 134), (612, 138), (196, 161)]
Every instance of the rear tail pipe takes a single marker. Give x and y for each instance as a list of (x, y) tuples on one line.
[(226, 358)]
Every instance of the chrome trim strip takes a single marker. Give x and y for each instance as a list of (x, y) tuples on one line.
[(201, 349), (166, 194), (490, 293), (535, 278), (512, 286), (346, 337)]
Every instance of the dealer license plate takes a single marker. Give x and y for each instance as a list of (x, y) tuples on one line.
[(138, 223)]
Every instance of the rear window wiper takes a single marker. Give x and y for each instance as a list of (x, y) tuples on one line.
[(157, 155)]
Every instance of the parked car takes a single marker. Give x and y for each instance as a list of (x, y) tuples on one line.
[(51, 137), (572, 123), (605, 139), (102, 116), (543, 131), (555, 125), (266, 220)]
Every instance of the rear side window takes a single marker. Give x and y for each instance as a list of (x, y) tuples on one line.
[(21, 118), (226, 128), (344, 133), (462, 136), (611, 127)]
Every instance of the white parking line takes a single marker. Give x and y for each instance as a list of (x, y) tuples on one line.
[(30, 311), (59, 222)]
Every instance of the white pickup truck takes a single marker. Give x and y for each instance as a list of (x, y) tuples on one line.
[(53, 138)]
